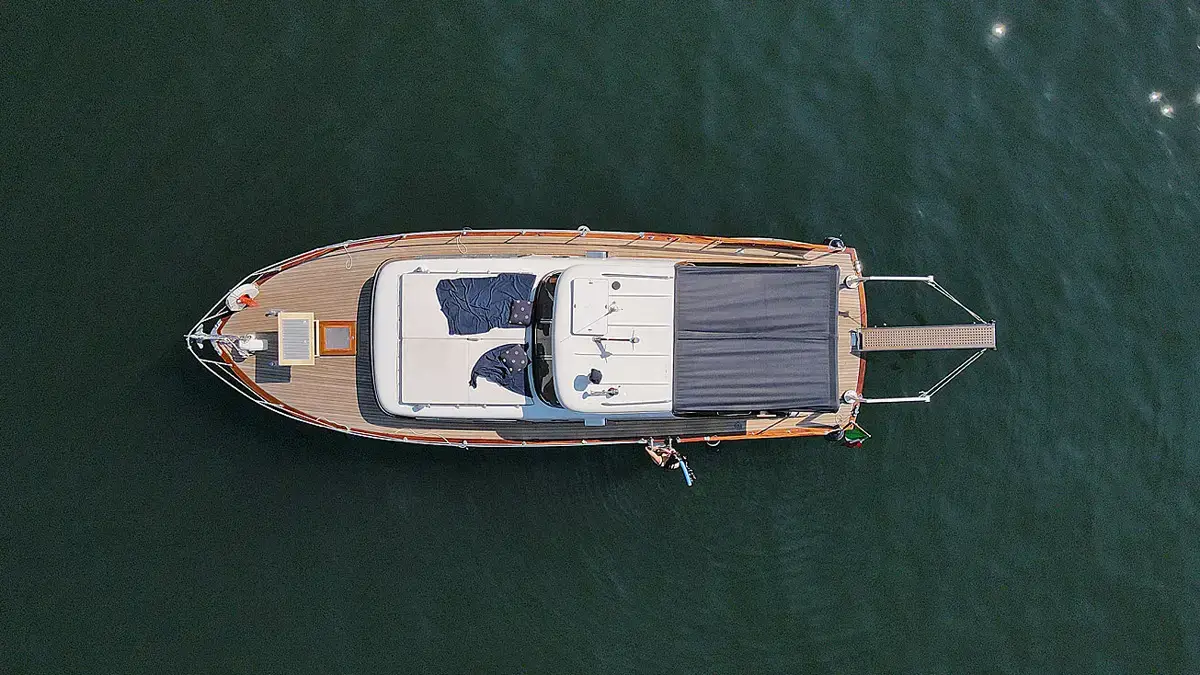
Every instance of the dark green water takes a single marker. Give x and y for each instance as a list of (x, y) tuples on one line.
[(1041, 515)]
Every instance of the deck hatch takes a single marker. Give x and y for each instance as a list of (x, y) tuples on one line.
[(589, 306), (296, 344)]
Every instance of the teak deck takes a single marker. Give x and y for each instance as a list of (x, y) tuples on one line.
[(335, 284)]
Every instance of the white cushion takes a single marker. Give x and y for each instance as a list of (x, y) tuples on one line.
[(438, 371), (428, 366)]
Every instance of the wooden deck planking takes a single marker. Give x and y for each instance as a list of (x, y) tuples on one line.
[(336, 390), (904, 338)]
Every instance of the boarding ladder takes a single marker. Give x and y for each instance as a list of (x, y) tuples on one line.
[(979, 336), (906, 338)]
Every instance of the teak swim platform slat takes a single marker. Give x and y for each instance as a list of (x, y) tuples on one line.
[(334, 283), (903, 338)]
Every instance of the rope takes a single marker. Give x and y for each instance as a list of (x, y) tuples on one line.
[(856, 425), (953, 374), (938, 287)]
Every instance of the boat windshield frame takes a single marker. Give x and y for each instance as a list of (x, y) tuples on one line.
[(542, 340)]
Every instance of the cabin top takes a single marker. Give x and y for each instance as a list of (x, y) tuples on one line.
[(613, 339), (437, 322), (602, 338)]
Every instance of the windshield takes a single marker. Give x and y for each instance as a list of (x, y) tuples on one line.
[(543, 349)]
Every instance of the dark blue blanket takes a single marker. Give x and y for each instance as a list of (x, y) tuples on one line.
[(489, 367), (479, 304)]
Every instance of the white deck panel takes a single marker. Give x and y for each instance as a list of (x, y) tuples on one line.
[(639, 304), (589, 306), (431, 371), (438, 371)]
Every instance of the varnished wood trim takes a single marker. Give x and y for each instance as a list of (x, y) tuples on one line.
[(568, 235)]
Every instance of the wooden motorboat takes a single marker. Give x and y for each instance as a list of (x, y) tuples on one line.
[(552, 337)]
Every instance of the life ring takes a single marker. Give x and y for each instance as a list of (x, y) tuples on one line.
[(242, 297)]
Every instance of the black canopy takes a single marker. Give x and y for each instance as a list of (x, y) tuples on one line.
[(755, 338)]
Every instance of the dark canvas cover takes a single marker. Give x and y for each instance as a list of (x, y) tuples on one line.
[(749, 339), (475, 305), (504, 365)]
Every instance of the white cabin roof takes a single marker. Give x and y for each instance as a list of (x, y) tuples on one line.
[(421, 370), (434, 363), (616, 318)]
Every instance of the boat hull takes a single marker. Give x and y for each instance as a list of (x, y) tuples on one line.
[(336, 283)]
